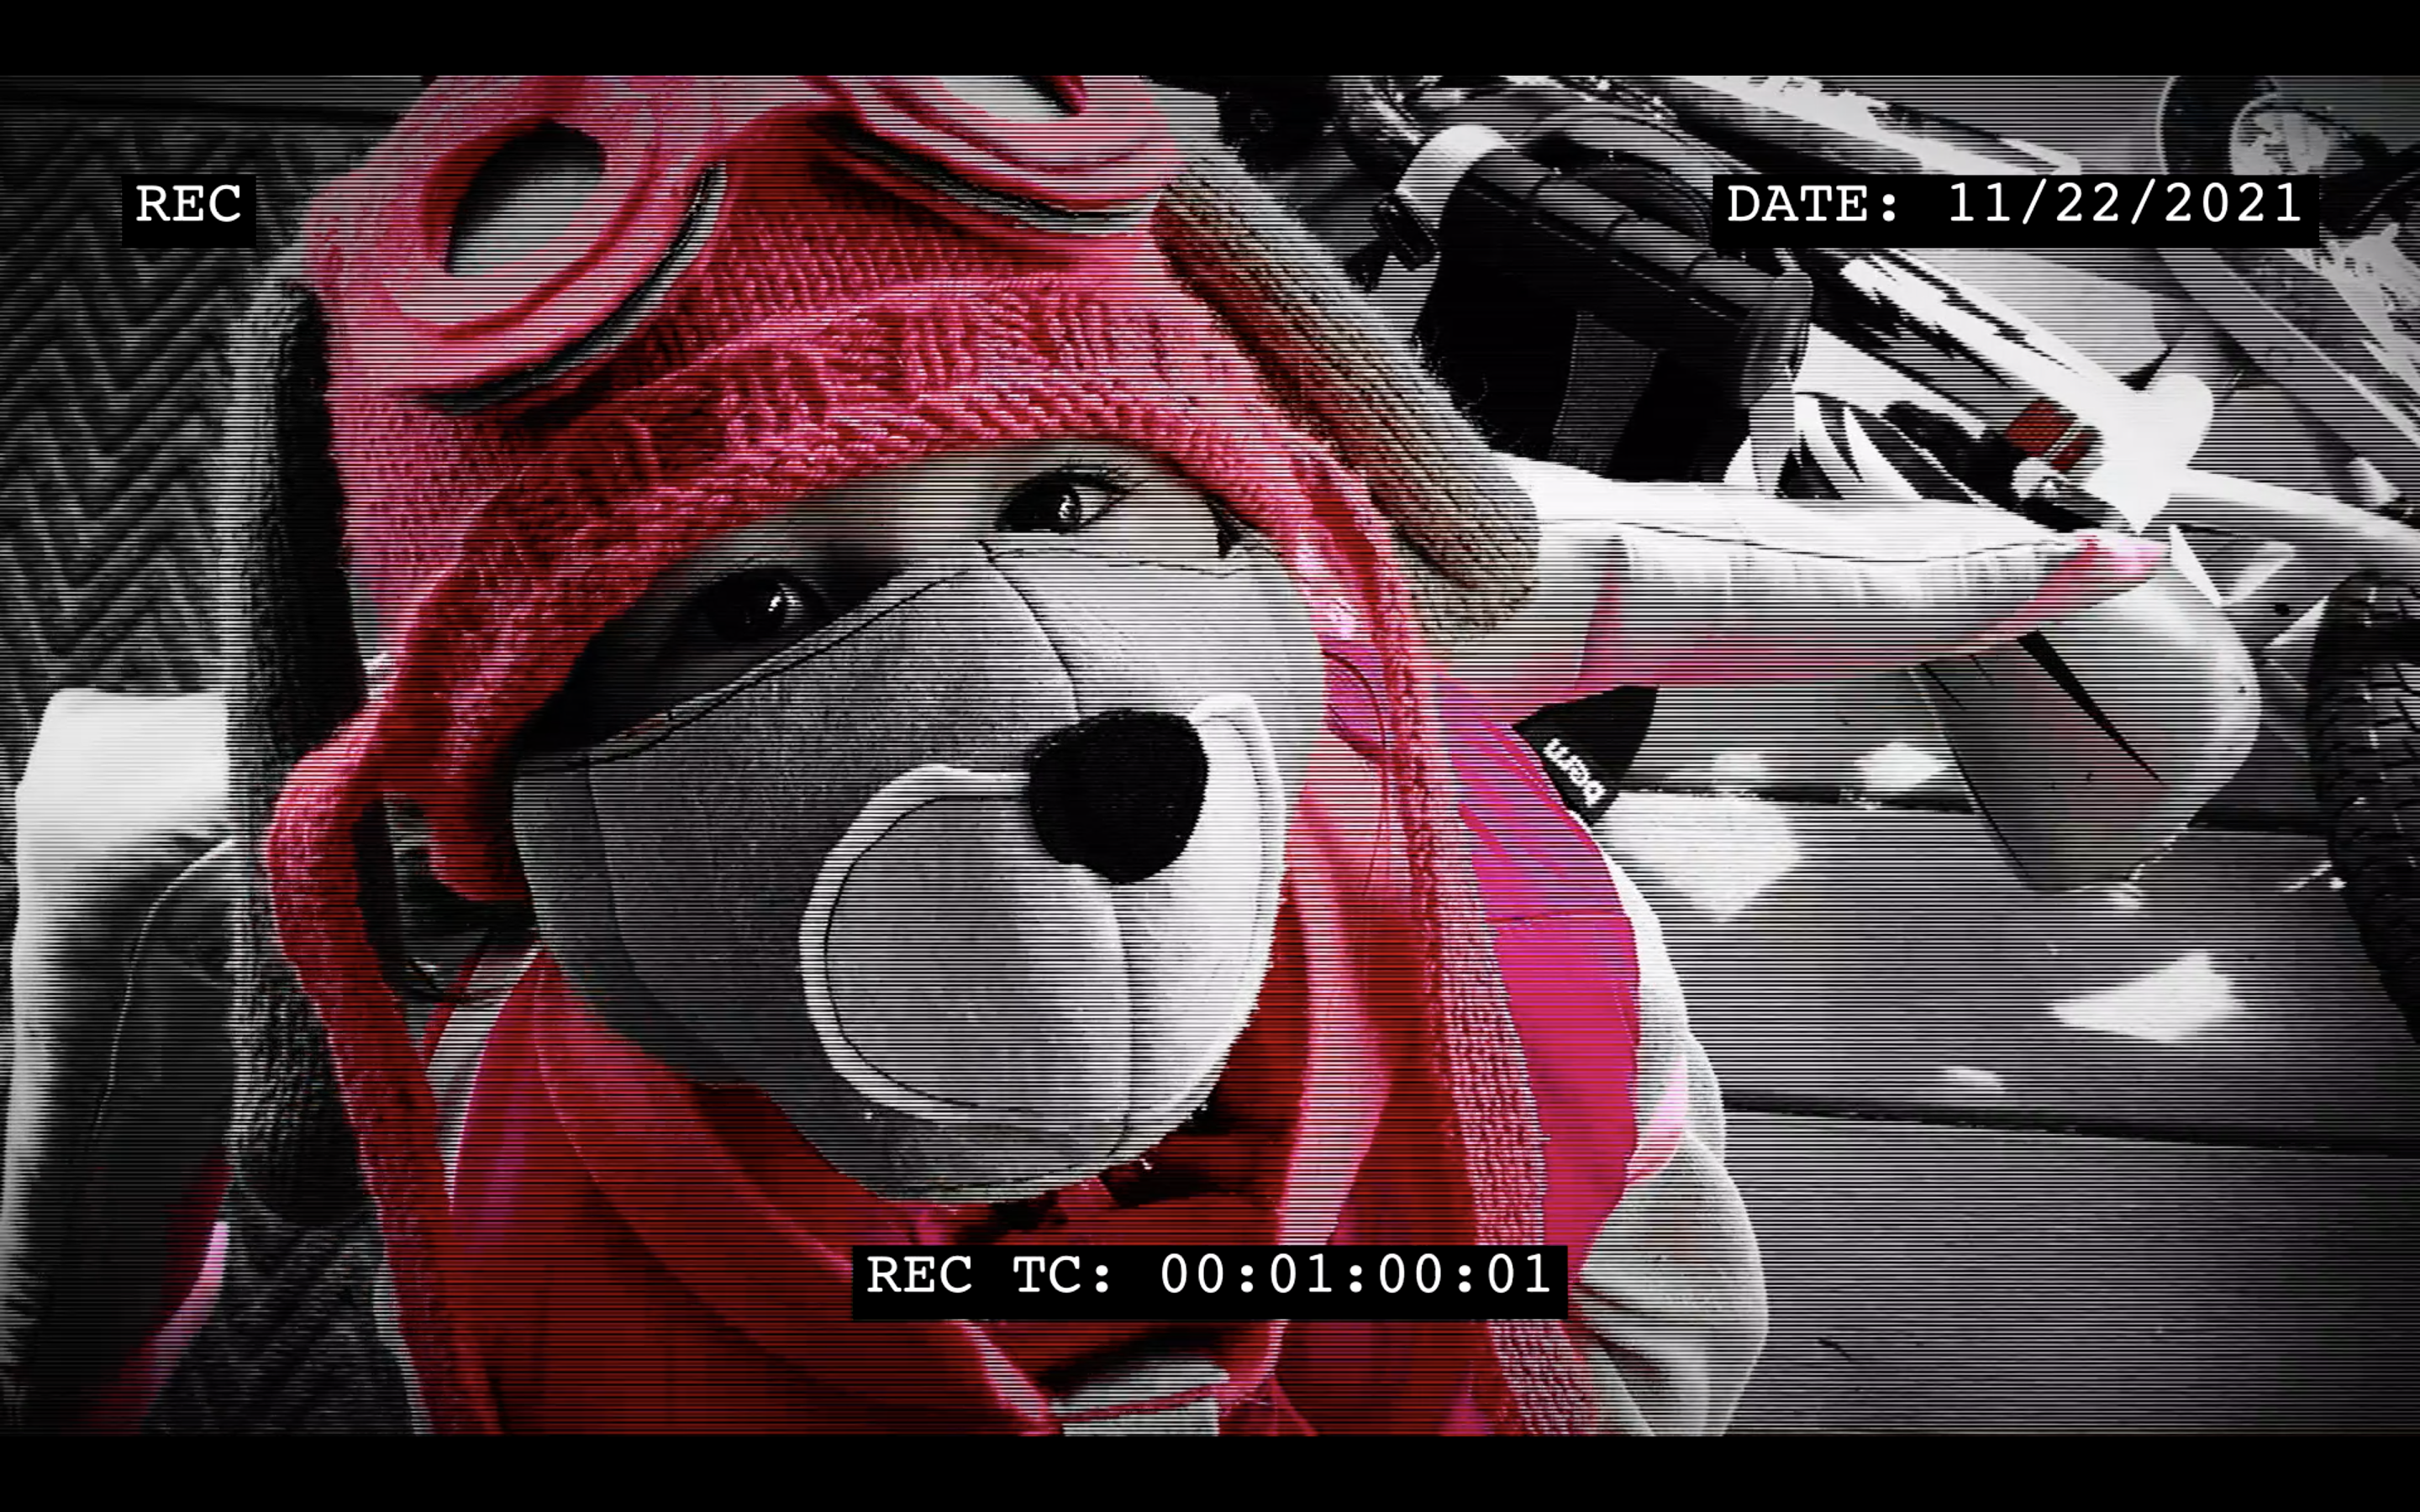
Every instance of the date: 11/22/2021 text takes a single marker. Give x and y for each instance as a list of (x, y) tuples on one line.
[(1932, 209)]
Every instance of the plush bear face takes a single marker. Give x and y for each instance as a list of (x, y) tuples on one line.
[(949, 809)]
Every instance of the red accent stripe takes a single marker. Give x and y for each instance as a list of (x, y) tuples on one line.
[(442, 1013), (2040, 426), (2076, 450)]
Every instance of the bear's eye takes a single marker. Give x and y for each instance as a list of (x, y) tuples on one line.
[(754, 608), (1064, 501)]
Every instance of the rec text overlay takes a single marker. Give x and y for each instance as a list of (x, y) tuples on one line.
[(188, 212)]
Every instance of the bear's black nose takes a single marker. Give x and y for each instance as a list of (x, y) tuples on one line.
[(1119, 793)]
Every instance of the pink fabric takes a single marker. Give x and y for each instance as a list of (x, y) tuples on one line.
[(1568, 958), (1570, 967), (640, 1255)]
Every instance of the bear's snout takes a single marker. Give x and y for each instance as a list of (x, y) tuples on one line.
[(1119, 793)]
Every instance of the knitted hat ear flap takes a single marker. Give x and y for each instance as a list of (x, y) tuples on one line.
[(297, 676), (1532, 1382), (327, 837), (1468, 533)]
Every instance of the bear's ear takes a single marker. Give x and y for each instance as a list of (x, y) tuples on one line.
[(293, 664), (1468, 531), (292, 650)]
